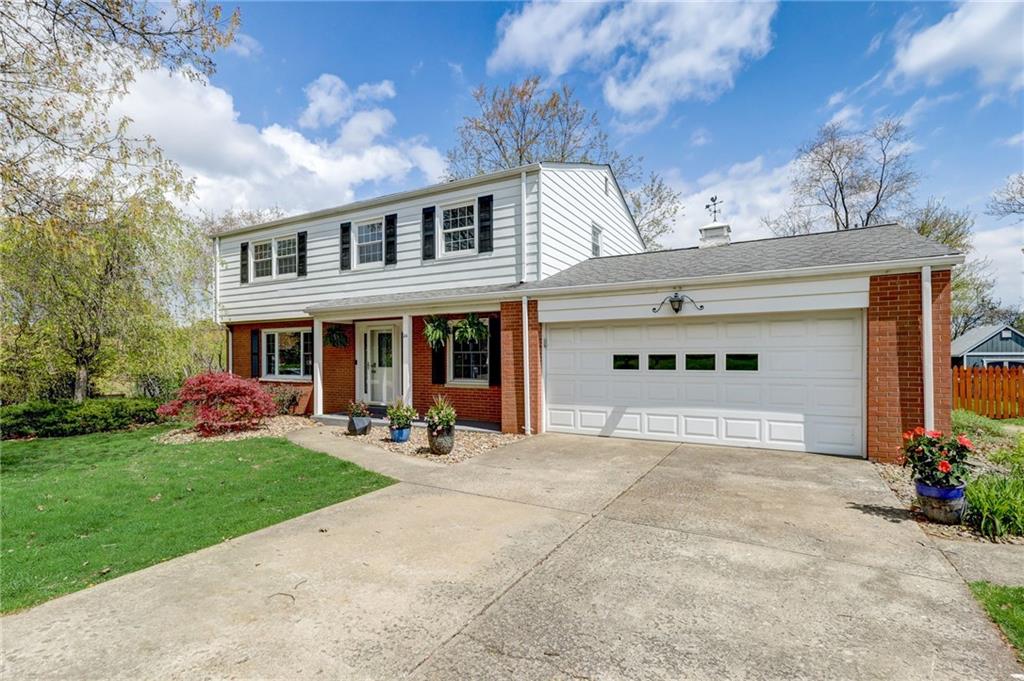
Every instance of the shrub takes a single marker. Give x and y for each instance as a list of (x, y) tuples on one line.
[(220, 401), (358, 408), (401, 415), (976, 426), (286, 397), (936, 459), (995, 504), (64, 417), (441, 415), (157, 387)]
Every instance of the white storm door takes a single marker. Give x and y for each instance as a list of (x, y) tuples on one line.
[(382, 368)]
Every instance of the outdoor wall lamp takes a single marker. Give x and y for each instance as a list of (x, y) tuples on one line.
[(676, 302)]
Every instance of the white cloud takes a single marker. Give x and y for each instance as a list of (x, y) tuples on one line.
[(1013, 140), (836, 98), (875, 43), (650, 54), (1002, 247), (749, 190), (984, 37), (923, 104), (700, 137), (846, 116), (329, 99), (245, 45), (239, 165)]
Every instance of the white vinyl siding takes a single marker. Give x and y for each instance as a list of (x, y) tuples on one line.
[(275, 299), (575, 201)]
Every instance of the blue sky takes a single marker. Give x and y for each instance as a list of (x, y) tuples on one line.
[(321, 103)]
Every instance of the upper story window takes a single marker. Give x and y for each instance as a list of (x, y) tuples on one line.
[(370, 243), (275, 257), (595, 241), (458, 229), (288, 354)]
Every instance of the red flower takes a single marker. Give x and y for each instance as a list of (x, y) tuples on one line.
[(945, 467), (965, 442), (933, 433), (907, 435), (943, 453), (919, 431)]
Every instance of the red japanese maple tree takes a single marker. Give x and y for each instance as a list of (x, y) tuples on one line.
[(220, 401)]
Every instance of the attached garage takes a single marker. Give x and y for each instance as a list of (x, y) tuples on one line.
[(781, 381)]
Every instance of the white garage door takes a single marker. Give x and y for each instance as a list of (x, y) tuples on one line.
[(779, 381)]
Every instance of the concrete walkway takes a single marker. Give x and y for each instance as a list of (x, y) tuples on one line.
[(557, 557)]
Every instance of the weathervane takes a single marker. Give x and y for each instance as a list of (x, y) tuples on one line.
[(713, 208)]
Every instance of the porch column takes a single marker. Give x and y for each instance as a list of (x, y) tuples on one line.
[(318, 362), (407, 358)]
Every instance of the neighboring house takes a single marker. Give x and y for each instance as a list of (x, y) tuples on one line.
[(995, 345), (809, 343)]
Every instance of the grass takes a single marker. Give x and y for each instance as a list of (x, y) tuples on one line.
[(77, 511), (1016, 421), (976, 426), (1005, 605)]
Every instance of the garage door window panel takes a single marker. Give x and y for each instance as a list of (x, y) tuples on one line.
[(741, 361), (661, 362), (700, 362), (626, 362)]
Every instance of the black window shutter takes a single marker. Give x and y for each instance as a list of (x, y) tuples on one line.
[(486, 229), (391, 239), (494, 351), (438, 371), (428, 233), (346, 245), (243, 263), (254, 353), (300, 247)]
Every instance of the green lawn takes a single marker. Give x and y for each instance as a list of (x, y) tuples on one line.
[(81, 510), (1005, 605)]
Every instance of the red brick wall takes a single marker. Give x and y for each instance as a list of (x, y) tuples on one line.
[(339, 372), (895, 390), (474, 404), (241, 362), (513, 417)]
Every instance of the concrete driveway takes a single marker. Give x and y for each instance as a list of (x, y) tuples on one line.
[(558, 557)]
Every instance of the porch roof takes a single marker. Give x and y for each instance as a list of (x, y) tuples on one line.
[(402, 299)]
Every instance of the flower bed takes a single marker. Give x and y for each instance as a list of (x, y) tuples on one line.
[(468, 443)]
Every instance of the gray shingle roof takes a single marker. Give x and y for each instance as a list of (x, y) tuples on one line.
[(866, 245), (424, 296), (976, 336)]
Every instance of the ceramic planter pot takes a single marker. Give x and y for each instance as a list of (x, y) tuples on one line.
[(941, 504), (401, 434), (442, 442), (359, 425)]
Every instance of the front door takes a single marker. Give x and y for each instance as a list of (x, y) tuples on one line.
[(381, 366)]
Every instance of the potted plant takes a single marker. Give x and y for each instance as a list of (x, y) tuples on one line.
[(400, 417), (436, 329), (358, 418), (441, 426), (940, 472)]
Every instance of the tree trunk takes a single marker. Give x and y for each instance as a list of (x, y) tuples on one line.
[(81, 382)]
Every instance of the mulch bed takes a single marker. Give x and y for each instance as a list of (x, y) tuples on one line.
[(468, 443), (277, 426), (902, 485)]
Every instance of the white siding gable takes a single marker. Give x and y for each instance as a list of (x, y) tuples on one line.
[(575, 199)]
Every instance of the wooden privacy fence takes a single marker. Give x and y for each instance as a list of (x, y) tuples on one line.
[(995, 392)]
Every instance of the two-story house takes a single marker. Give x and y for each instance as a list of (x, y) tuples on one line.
[(832, 343)]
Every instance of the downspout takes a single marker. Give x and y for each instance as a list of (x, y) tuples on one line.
[(526, 365), (540, 214), (522, 227), (216, 280), (927, 365)]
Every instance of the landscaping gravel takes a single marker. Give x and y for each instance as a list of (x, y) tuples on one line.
[(468, 443), (272, 427)]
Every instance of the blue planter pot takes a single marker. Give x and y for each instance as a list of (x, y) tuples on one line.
[(400, 434), (941, 504)]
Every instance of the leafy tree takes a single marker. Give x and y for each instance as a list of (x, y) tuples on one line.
[(524, 124), (845, 179), (1008, 201), (62, 64)]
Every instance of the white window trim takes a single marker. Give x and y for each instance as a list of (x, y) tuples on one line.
[(646, 362), (292, 378), (719, 362), (596, 239), (439, 229), (274, 274), (374, 264), (450, 366), (725, 359)]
